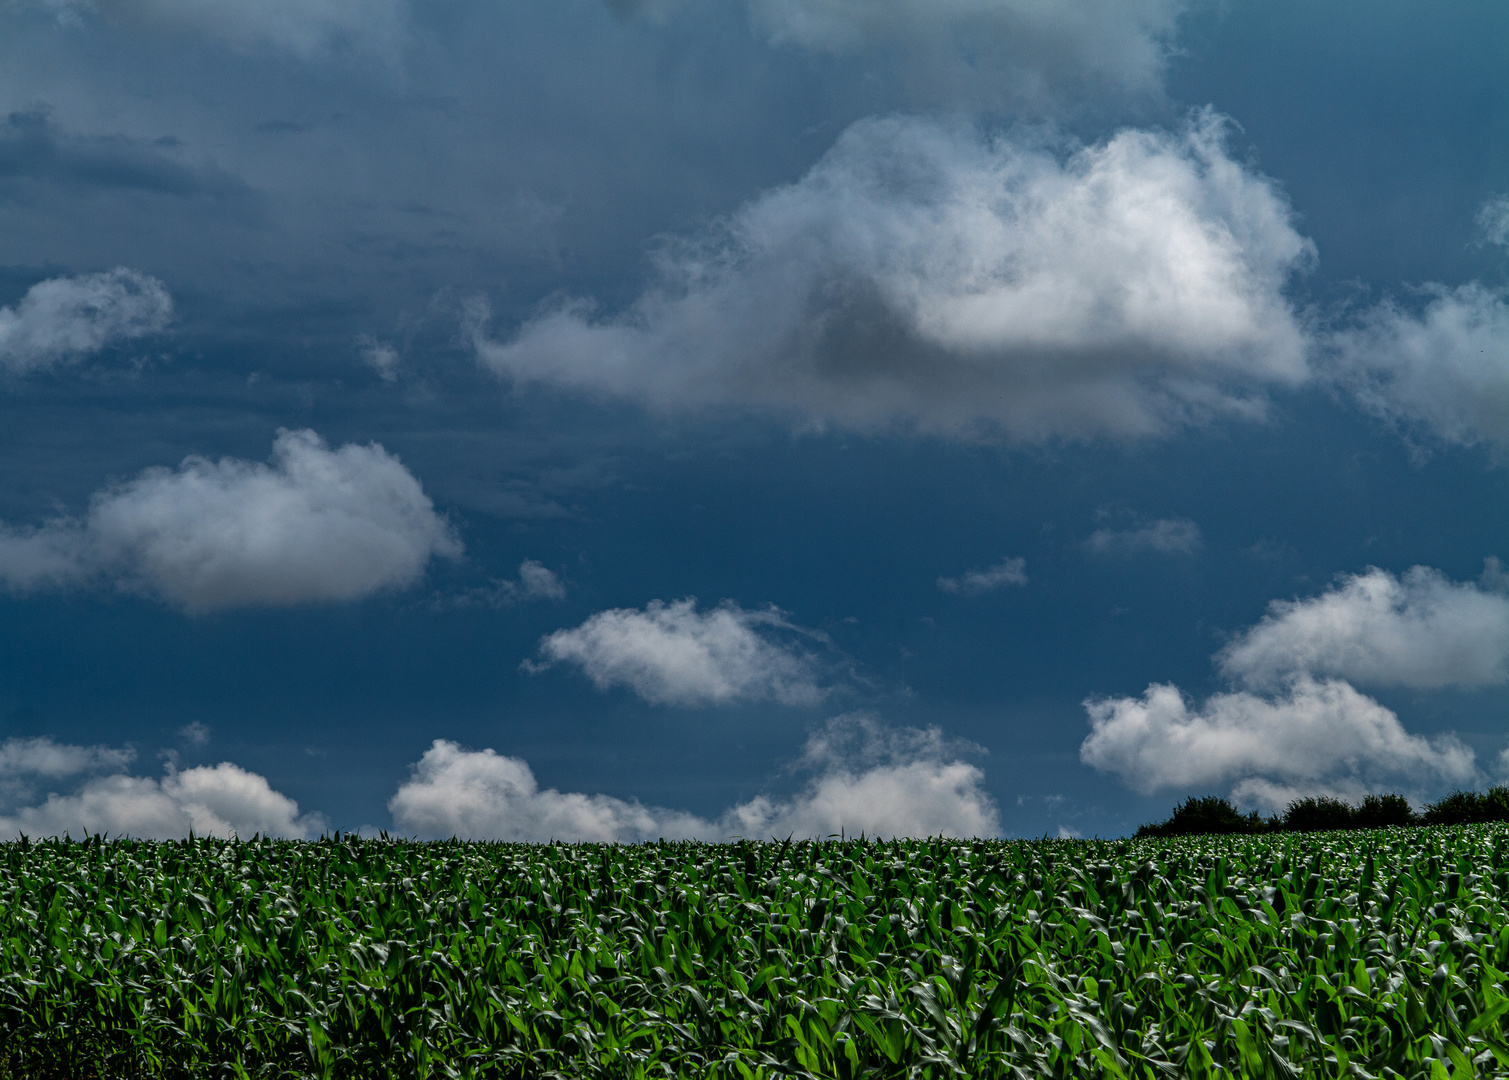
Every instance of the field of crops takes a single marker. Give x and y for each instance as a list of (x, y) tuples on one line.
[(1353, 953)]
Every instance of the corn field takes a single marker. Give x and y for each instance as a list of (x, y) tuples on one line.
[(1369, 954)]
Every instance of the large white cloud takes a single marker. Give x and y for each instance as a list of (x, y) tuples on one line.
[(929, 274), (1445, 367), (62, 320), (865, 779), (1028, 50), (211, 800), (1420, 630), (314, 525), (672, 654), (1314, 736)]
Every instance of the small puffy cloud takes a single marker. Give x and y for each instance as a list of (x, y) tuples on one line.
[(316, 525), (1006, 572), (927, 274), (483, 795), (1445, 368), (1493, 220), (672, 654), (1418, 630), (195, 733), (1025, 50), (62, 320), (1315, 736), (211, 800), (536, 581), (865, 779), (380, 357), (1167, 536), (877, 781)]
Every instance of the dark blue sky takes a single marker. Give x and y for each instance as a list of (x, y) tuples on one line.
[(973, 367)]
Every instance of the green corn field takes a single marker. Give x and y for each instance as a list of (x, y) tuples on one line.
[(1372, 953)]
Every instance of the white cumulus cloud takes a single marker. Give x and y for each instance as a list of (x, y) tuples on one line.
[(1419, 629), (314, 525), (927, 273), (62, 320), (1008, 571), (865, 779), (1445, 368), (211, 800), (672, 654), (1315, 736)]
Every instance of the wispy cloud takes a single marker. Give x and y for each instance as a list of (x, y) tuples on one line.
[(1008, 571)]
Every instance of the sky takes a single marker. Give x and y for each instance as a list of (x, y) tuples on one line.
[(624, 419)]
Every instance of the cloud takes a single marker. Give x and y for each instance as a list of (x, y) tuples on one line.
[(481, 794), (36, 151), (865, 779), (536, 581), (380, 357), (62, 320), (316, 525), (1493, 220), (1445, 369), (304, 28), (1006, 572), (877, 781), (212, 800), (925, 273), (1022, 50), (671, 654), (1167, 536), (1315, 736), (1418, 630)]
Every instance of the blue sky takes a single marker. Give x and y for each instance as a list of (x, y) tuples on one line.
[(593, 420)]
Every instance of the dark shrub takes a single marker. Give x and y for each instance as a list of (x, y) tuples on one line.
[(1204, 814), (1378, 811), (1318, 815), (1469, 807)]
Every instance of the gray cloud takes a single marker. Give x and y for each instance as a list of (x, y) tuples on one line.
[(1419, 629), (62, 320), (304, 28), (33, 148), (1008, 571), (1167, 536), (1020, 51), (672, 654), (925, 274), (315, 525), (865, 778)]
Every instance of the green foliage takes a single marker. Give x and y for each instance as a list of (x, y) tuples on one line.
[(1212, 815), (1280, 955), (1205, 815), (1318, 815), (1469, 807)]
